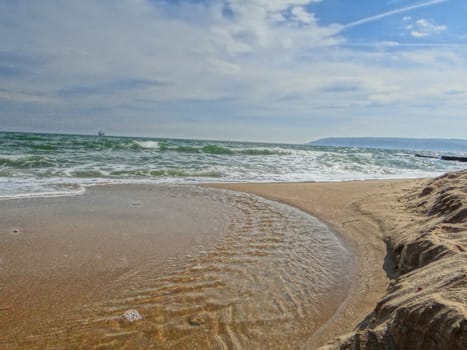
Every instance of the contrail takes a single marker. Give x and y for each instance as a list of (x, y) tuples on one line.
[(390, 13)]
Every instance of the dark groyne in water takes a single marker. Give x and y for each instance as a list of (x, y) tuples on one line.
[(449, 158)]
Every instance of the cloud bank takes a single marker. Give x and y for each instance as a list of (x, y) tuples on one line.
[(234, 69)]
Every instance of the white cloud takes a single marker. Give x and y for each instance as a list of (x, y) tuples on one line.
[(262, 24), (301, 15), (423, 28)]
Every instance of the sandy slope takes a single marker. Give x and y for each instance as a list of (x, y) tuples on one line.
[(339, 205), (425, 306)]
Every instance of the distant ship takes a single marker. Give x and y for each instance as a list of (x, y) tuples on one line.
[(101, 133)]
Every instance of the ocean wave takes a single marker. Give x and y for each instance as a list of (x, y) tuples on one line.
[(87, 173), (45, 194), (101, 144), (34, 187), (166, 147), (142, 173), (166, 173), (27, 137), (215, 149), (44, 147), (28, 161), (147, 144), (261, 152), (221, 150)]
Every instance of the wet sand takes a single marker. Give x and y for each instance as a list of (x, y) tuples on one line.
[(201, 290), (342, 207), (58, 256), (410, 242), (206, 268)]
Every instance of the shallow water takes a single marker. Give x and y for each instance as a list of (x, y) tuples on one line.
[(265, 275)]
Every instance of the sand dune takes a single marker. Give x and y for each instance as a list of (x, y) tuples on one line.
[(425, 304)]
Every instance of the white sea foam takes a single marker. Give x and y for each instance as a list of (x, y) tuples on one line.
[(148, 144), (32, 188)]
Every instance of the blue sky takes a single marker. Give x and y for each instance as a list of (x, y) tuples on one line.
[(257, 70)]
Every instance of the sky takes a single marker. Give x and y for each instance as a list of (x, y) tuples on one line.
[(250, 70)]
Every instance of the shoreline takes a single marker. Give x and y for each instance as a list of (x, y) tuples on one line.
[(335, 204), (419, 285), (80, 189)]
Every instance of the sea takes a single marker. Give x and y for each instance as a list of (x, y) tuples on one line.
[(37, 165)]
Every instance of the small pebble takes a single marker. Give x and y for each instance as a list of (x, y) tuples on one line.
[(132, 315), (15, 231), (195, 321)]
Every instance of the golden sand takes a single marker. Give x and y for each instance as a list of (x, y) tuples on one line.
[(408, 239), (412, 295)]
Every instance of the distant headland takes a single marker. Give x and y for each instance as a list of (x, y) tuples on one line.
[(435, 145)]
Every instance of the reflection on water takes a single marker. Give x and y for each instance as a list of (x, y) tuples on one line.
[(271, 279)]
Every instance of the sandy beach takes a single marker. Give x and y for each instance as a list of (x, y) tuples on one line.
[(407, 285), (410, 241), (342, 207)]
